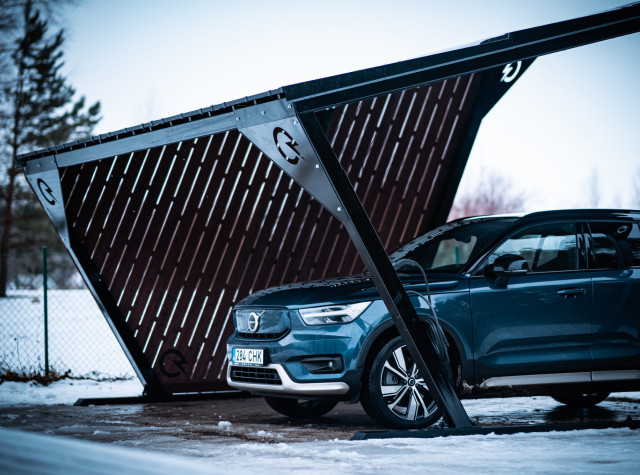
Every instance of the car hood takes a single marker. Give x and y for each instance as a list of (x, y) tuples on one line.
[(356, 288)]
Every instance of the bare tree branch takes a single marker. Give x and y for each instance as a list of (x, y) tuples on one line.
[(493, 194), (37, 109)]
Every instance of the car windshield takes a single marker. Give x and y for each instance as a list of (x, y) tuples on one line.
[(451, 246)]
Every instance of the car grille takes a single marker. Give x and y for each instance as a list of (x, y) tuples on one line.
[(255, 375), (272, 324)]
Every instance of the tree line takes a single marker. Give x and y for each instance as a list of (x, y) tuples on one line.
[(38, 109)]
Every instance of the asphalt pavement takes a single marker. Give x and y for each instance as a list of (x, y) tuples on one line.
[(188, 427)]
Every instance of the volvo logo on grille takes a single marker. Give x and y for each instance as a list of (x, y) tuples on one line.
[(254, 322)]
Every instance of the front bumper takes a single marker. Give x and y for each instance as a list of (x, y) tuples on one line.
[(283, 384)]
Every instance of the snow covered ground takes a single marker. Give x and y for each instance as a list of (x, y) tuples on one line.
[(586, 451), (591, 451), (66, 391)]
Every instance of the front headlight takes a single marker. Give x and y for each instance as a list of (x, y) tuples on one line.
[(333, 313)]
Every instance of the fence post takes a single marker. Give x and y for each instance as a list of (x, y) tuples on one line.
[(46, 311)]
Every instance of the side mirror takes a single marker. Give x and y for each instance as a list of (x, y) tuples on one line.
[(507, 265)]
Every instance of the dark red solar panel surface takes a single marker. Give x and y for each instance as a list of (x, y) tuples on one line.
[(181, 233)]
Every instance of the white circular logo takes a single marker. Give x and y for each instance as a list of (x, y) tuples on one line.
[(509, 73)]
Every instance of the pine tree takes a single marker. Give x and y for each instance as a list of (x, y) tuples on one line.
[(37, 110)]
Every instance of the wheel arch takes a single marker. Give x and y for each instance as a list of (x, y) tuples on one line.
[(387, 331)]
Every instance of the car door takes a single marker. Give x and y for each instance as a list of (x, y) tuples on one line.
[(614, 261), (539, 322)]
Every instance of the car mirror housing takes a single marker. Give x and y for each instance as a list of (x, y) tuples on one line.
[(507, 265)]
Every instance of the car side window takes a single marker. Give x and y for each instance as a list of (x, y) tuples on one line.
[(546, 247), (614, 244)]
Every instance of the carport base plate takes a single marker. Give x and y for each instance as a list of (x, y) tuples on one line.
[(146, 399), (483, 430)]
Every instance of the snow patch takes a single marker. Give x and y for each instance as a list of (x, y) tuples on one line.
[(64, 391), (264, 433)]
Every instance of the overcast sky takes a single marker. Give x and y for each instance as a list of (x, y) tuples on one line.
[(572, 114)]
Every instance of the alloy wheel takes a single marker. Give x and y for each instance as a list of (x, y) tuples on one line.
[(403, 389)]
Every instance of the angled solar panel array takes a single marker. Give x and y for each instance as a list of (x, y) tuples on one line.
[(181, 232)]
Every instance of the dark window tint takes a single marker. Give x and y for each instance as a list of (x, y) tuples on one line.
[(615, 244), (546, 247)]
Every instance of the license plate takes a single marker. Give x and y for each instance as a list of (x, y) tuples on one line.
[(247, 357)]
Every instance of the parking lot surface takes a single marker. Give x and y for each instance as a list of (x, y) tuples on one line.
[(188, 428)]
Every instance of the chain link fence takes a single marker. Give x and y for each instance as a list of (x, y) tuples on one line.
[(50, 323)]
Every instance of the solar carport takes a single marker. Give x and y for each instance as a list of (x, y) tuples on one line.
[(172, 222)]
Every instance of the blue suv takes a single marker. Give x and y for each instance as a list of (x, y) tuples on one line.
[(545, 303)]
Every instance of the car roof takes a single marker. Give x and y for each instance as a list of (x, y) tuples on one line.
[(581, 214)]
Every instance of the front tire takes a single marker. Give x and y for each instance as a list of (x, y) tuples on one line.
[(394, 393), (299, 408), (580, 400)]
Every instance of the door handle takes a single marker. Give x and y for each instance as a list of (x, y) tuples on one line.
[(570, 293)]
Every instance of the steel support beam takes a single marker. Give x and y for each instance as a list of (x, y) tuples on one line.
[(509, 48), (364, 236)]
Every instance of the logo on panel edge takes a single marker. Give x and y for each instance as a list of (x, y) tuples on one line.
[(286, 146), (172, 363), (509, 73), (46, 191)]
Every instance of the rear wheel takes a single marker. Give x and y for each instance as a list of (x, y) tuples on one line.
[(394, 393), (580, 399), (299, 408)]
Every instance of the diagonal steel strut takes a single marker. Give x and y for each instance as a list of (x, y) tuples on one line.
[(372, 252)]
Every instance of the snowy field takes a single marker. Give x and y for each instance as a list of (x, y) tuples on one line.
[(80, 339)]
